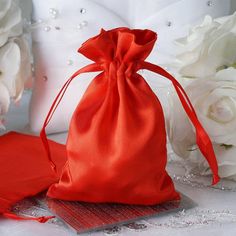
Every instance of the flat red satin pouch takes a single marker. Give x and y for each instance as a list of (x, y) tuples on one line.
[(24, 168), (116, 146)]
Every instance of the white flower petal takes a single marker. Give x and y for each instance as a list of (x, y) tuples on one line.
[(16, 30), (212, 97), (4, 99), (4, 7), (9, 65), (12, 18), (24, 72), (10, 23), (228, 74), (222, 51), (4, 37), (207, 48), (180, 132), (197, 34)]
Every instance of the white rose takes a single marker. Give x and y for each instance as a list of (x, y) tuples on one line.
[(10, 20), (215, 103), (14, 71), (208, 47)]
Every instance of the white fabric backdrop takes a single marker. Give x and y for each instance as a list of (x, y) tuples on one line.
[(54, 48)]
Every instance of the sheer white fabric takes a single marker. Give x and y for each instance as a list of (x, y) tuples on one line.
[(61, 26)]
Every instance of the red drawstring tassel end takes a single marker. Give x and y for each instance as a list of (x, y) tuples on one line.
[(41, 219)]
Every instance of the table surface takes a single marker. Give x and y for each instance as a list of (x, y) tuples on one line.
[(215, 213)]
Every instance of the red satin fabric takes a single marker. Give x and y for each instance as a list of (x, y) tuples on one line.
[(24, 169), (116, 146)]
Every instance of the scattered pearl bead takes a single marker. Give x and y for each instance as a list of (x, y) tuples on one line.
[(79, 27), (169, 23), (84, 23), (53, 12), (47, 28), (83, 10), (209, 3)]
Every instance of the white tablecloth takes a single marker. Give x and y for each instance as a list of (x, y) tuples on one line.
[(214, 215)]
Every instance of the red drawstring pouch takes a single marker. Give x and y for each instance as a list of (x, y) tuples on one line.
[(116, 146), (25, 171)]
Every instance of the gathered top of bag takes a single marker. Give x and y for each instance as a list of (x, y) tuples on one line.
[(120, 44)]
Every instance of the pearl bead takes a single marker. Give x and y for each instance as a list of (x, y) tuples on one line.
[(69, 62), (79, 27), (53, 12), (47, 28), (83, 11), (57, 27), (209, 3), (169, 23), (84, 23), (45, 78)]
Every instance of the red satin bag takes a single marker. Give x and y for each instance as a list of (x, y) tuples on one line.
[(25, 170), (116, 147)]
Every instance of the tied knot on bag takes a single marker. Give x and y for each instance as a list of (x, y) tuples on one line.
[(119, 51), (118, 67)]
